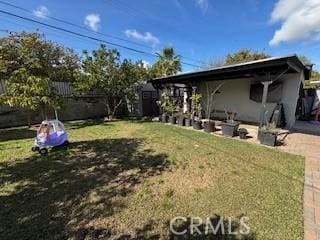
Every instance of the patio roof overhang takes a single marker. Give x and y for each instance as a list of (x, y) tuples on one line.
[(261, 68)]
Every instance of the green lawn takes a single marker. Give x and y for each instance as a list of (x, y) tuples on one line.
[(126, 180)]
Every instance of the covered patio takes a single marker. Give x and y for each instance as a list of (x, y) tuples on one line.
[(236, 93)]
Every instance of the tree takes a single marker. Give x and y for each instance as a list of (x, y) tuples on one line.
[(210, 96), (167, 103), (244, 55), (305, 60), (315, 75), (196, 105), (103, 70), (28, 65), (213, 63), (168, 63), (131, 76)]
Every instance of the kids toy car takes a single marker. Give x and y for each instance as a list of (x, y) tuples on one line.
[(50, 134)]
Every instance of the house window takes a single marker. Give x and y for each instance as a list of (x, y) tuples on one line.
[(274, 92)]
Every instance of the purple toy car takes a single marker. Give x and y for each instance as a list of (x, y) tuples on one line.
[(51, 133)]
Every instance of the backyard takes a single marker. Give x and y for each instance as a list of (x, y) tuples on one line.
[(128, 179)]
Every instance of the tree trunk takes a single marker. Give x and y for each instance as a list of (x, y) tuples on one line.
[(112, 108), (29, 119), (108, 108), (130, 105), (43, 112), (115, 107)]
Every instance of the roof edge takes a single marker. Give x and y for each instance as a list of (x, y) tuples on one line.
[(292, 57)]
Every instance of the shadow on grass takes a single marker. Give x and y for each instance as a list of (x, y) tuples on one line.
[(52, 197), (144, 233), (9, 134)]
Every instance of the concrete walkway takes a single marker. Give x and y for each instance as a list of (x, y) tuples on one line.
[(308, 146)]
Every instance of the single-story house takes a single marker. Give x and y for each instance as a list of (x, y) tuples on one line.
[(251, 89)]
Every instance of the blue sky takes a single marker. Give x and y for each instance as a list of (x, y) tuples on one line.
[(198, 29)]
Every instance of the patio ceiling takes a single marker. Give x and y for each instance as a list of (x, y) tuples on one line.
[(265, 67)]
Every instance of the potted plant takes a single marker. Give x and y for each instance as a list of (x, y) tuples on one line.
[(268, 134), (180, 119), (188, 120), (197, 108), (164, 118), (170, 108), (243, 133), (163, 104), (230, 127), (184, 119), (208, 123), (180, 116)]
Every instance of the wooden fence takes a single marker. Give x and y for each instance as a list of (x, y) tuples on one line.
[(64, 89)]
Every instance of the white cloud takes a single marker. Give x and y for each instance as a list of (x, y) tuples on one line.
[(147, 37), (92, 21), (41, 12), (300, 21), (203, 5)]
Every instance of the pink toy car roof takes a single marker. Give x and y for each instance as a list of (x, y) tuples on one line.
[(56, 125)]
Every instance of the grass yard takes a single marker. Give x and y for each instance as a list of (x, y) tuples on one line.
[(126, 180)]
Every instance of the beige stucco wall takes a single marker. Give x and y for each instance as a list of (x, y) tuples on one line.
[(234, 97)]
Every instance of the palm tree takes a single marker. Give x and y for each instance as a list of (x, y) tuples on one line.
[(168, 63)]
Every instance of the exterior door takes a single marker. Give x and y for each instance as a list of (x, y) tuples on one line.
[(149, 103)]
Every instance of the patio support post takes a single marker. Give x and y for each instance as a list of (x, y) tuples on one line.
[(186, 100), (264, 101), (269, 80), (194, 90)]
